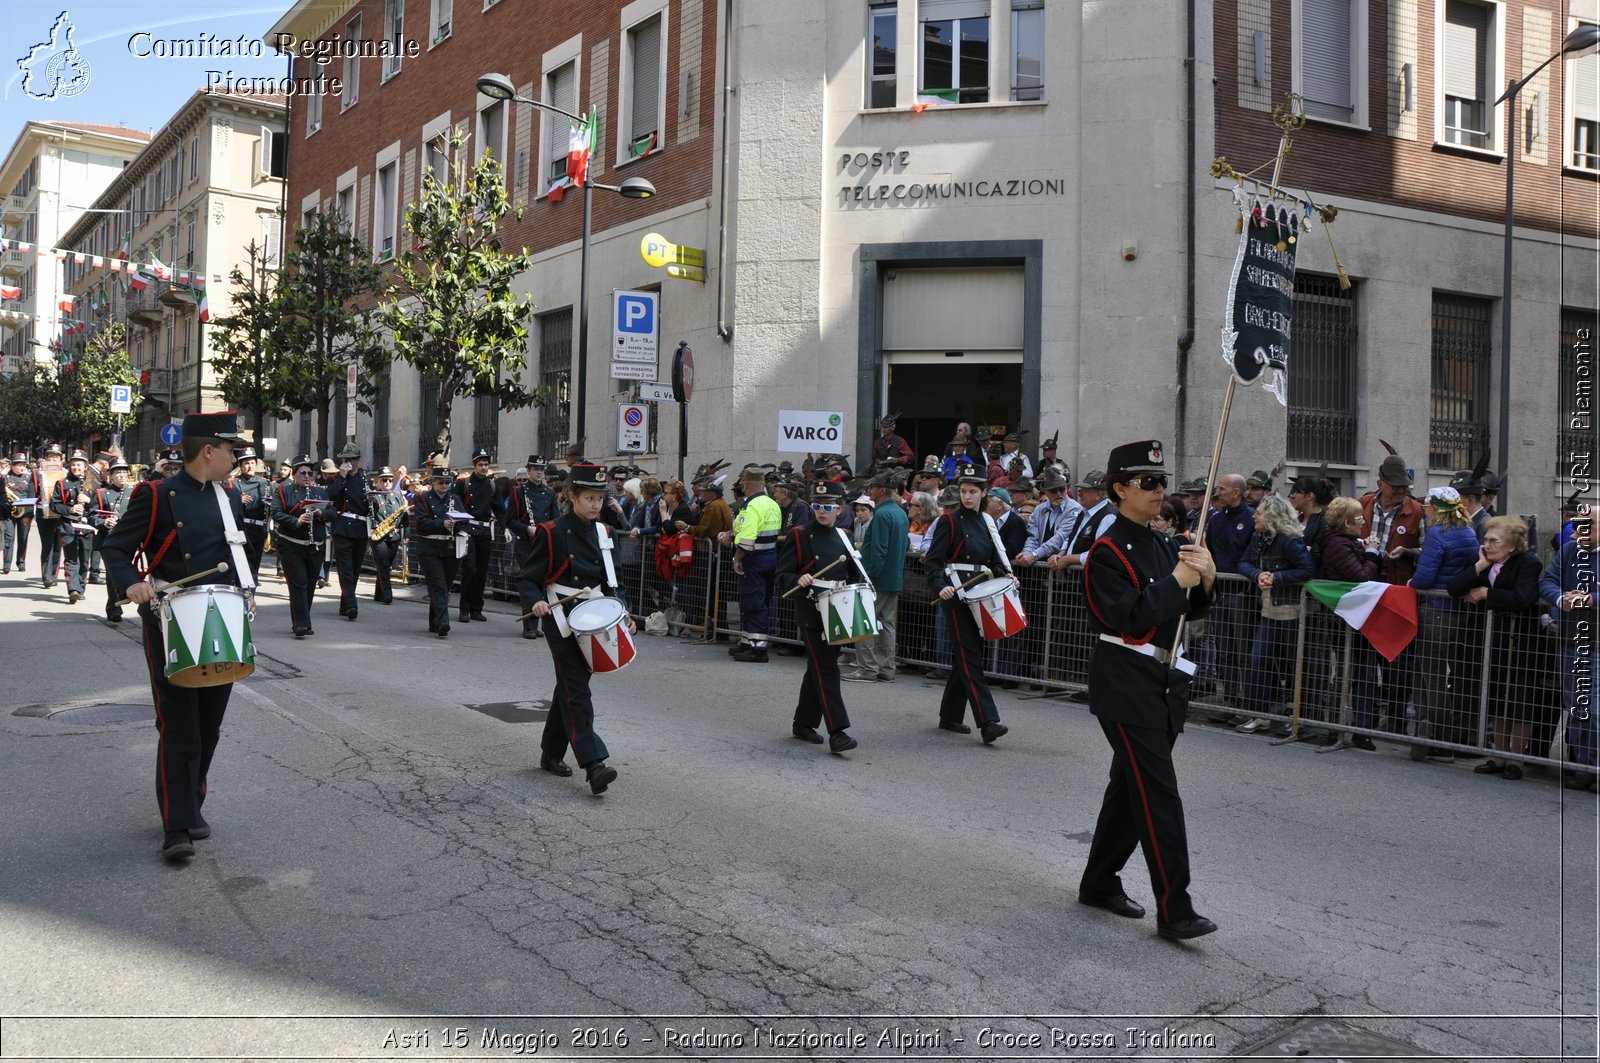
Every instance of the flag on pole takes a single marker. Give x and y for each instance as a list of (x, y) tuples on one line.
[(64, 303), (122, 251), (203, 303), (162, 271), (137, 281), (1385, 614), (935, 98), (580, 145)]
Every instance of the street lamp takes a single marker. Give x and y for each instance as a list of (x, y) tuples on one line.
[(1582, 39), (498, 86)]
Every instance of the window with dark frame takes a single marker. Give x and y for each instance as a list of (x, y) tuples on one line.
[(486, 423), (1027, 49), (380, 418), (555, 376), (1583, 88), (1458, 427), (954, 47), (1468, 58), (561, 90), (1324, 403), (429, 411), (644, 97), (883, 27)]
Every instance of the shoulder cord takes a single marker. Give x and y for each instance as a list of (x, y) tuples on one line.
[(1089, 591)]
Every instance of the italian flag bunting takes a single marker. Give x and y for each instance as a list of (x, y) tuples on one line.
[(1385, 614), (580, 145), (935, 98)]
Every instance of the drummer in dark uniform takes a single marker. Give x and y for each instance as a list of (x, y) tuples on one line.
[(804, 551), (572, 555), (110, 503), (299, 531), (179, 526), (1139, 585), (253, 492), (433, 540), (965, 548)]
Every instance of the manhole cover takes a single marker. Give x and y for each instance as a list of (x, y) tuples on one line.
[(1333, 1039), (106, 714), (515, 711)]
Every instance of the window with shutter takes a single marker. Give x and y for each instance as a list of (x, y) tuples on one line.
[(1583, 92), (644, 100), (1466, 113), (394, 27), (561, 89), (1327, 52)]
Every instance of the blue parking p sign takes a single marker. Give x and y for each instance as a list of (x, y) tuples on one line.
[(636, 334)]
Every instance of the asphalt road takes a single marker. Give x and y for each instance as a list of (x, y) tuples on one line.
[(388, 863)]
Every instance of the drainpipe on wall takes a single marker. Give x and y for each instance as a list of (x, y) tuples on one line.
[(724, 322), (1186, 340)]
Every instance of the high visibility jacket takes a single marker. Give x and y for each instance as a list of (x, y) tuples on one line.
[(758, 524)]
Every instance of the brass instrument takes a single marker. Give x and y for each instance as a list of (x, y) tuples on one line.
[(17, 512), (386, 526)]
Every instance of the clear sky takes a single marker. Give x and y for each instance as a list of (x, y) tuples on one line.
[(118, 42)]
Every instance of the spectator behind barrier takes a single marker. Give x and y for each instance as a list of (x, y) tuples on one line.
[(924, 510), (1447, 664), (1572, 583), (1346, 555), (1276, 560)]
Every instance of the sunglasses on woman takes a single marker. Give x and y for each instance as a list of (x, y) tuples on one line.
[(1150, 483)]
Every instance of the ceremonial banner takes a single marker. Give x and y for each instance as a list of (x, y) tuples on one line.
[(1259, 313)]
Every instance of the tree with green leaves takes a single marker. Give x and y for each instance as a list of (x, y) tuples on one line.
[(84, 386), (450, 310), (29, 406), (285, 345)]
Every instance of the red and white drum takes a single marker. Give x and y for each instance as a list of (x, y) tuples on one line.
[(996, 607), (601, 627)]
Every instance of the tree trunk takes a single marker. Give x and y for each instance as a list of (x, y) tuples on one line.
[(441, 436)]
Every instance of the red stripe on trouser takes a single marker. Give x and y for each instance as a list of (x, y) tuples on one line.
[(1149, 822), (161, 732), (566, 696), (822, 694), (972, 687)]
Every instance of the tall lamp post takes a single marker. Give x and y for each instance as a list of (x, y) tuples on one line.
[(1581, 39), (499, 87)]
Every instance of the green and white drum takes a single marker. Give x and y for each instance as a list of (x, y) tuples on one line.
[(849, 613), (206, 632)]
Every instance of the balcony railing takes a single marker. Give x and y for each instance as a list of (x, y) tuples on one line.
[(13, 263), (13, 209)]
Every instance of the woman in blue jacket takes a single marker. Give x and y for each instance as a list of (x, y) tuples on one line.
[(1448, 681), (1277, 562)]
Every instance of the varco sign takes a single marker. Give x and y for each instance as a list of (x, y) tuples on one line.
[(808, 431)]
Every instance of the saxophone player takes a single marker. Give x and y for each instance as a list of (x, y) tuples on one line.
[(70, 503), (389, 515), (16, 520), (110, 502)]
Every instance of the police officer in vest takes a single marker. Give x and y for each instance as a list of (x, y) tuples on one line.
[(570, 556), (253, 491), (1140, 585), (433, 539), (110, 503), (965, 548), (299, 530), (818, 554), (532, 503), (384, 502), (755, 541), (350, 494), (477, 500)]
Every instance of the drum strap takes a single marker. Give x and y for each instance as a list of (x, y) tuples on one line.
[(850, 548), (999, 547), (604, 535), (234, 537)]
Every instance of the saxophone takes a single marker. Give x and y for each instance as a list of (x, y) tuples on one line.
[(17, 512), (386, 526)]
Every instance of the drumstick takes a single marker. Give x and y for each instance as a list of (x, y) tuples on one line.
[(222, 566), (814, 575), (558, 601), (979, 578)]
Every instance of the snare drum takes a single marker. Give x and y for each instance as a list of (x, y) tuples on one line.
[(996, 607), (206, 633), (849, 613), (601, 627)]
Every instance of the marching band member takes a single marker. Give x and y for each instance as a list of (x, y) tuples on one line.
[(299, 530), (49, 527), (95, 477), (178, 524), (532, 504), (803, 552), (477, 499), (571, 555), (110, 502), (434, 540), (21, 482), (350, 527), (69, 501), (384, 502), (964, 544), (253, 493)]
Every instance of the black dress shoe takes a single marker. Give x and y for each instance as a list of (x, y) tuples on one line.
[(96, 579), (530, 634), (601, 775), (477, 614), (177, 846), (1488, 767), (114, 617), (958, 728), (807, 734), (991, 731), (463, 618), (1511, 771), (301, 632), (1580, 781), (201, 829), (736, 647), (1117, 904), (1363, 742), (555, 766), (840, 742), (1193, 927), (443, 632), (751, 655), (351, 615)]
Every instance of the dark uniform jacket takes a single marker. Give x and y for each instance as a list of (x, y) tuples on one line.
[(108, 500), (23, 487), (961, 537), (178, 525), (477, 498), (1132, 594), (431, 537), (64, 497), (351, 506), (565, 551), (253, 492), (531, 504), (892, 449), (381, 506), (810, 549), (287, 503)]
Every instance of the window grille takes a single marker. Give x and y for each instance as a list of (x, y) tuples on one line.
[(1458, 431), (1323, 401)]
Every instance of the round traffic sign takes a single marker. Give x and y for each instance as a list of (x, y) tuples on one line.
[(683, 373), (634, 416), (172, 434)]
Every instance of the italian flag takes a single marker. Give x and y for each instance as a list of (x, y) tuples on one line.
[(202, 302), (580, 145), (9, 292), (1385, 614), (935, 98), (65, 303), (122, 251), (137, 281)]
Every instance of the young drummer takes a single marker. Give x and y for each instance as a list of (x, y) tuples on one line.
[(569, 556), (803, 553)]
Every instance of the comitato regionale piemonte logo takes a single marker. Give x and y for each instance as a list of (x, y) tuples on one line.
[(54, 68)]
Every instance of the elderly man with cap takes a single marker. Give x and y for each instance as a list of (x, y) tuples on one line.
[(1140, 586), (1394, 524), (433, 540), (16, 520), (184, 526), (1011, 453), (350, 525), (299, 531), (755, 541), (385, 502), (110, 503), (790, 496), (571, 558), (532, 503), (890, 449), (254, 492), (965, 547), (1048, 459), (883, 555), (70, 501)]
